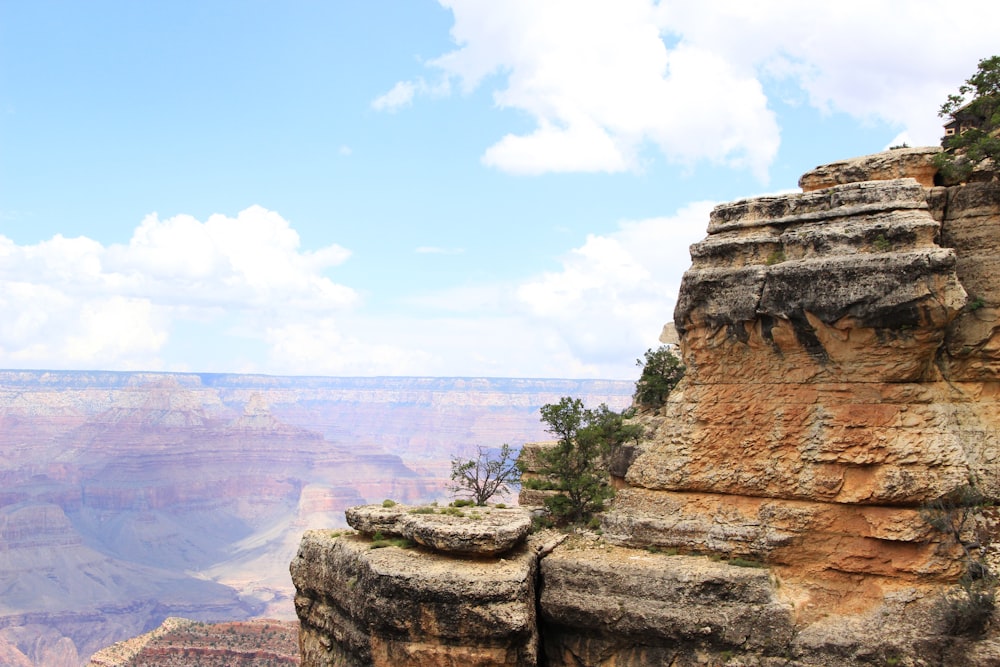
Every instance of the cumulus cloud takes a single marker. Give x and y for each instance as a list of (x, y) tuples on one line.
[(76, 303), (603, 80), (320, 347), (242, 294), (613, 294), (592, 317)]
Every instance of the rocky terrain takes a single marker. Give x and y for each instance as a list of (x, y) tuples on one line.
[(819, 490), (180, 642), (126, 498)]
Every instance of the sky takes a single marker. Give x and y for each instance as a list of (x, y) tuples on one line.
[(422, 188)]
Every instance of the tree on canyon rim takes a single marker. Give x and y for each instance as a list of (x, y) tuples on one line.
[(486, 475), (576, 466), (661, 371), (975, 124)]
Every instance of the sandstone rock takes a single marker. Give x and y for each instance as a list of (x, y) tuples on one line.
[(899, 163), (644, 608), (473, 531), (393, 607), (838, 378)]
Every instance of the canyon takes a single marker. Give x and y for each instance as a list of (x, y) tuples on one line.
[(819, 490), (127, 498)]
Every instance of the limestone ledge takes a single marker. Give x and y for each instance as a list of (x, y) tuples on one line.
[(648, 608), (916, 163), (807, 536), (390, 606), (474, 531)]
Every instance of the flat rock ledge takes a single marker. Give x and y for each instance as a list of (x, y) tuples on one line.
[(467, 531), (917, 162)]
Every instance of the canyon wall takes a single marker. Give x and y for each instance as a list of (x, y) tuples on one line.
[(841, 347), (129, 497)]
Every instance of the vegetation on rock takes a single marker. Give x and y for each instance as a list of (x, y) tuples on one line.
[(486, 475), (969, 610), (661, 371), (575, 465), (977, 136)]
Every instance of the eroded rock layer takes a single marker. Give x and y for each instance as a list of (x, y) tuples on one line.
[(842, 350), (359, 605)]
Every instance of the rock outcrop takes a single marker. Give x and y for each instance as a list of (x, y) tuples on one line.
[(843, 351), (391, 606), (489, 531), (179, 642)]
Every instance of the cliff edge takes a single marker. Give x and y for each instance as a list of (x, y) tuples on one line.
[(819, 488)]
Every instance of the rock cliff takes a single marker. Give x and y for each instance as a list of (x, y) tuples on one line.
[(842, 347)]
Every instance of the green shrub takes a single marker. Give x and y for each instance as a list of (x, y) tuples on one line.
[(388, 503), (977, 106), (539, 484), (397, 542), (969, 610), (462, 503), (576, 463), (425, 509), (661, 371)]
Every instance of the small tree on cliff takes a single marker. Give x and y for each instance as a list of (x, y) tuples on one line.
[(661, 371), (486, 475), (975, 123), (576, 464)]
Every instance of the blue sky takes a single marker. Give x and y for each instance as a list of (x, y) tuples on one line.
[(417, 188)]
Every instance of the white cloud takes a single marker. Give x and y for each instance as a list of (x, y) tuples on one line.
[(400, 96), (318, 346), (602, 80), (74, 303), (241, 293), (603, 307), (613, 294)]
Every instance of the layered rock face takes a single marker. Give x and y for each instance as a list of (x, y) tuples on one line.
[(842, 352), (391, 606)]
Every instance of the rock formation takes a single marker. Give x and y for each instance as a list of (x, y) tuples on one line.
[(843, 352), (180, 642), (363, 605)]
